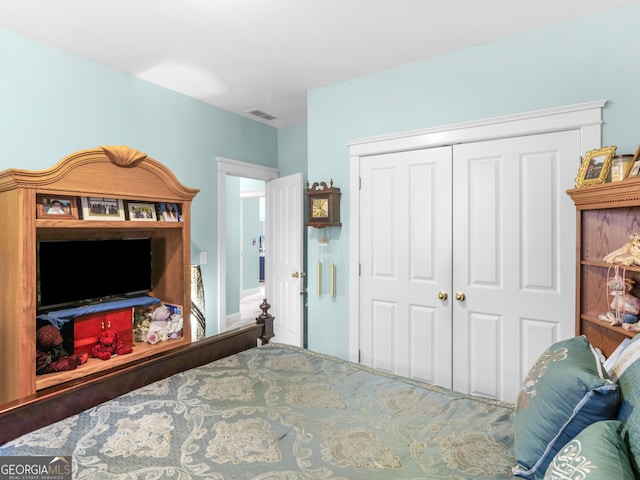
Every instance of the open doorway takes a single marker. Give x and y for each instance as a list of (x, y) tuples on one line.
[(241, 243), (246, 249)]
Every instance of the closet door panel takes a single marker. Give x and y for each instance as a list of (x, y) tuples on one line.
[(405, 231), (516, 256), (483, 256), (539, 245)]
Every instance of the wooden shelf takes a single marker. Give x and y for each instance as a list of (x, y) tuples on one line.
[(606, 216), (607, 325), (629, 268), (94, 365), (46, 223), (109, 172)]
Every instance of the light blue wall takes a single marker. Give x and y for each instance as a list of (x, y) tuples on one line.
[(592, 58), (292, 150), (53, 103)]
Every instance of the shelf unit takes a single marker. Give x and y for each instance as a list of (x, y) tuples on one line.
[(109, 172), (606, 215)]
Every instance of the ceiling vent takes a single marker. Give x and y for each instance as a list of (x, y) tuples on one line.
[(263, 115)]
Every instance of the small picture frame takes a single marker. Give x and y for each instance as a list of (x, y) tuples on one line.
[(141, 212), (56, 206), (169, 212), (100, 208), (635, 169), (595, 166)]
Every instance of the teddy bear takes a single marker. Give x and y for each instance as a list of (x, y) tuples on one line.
[(50, 355), (108, 345)]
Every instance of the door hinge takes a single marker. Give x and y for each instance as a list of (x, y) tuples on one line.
[(359, 269), (359, 183), (358, 356)]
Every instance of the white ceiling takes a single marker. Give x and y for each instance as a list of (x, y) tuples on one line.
[(242, 55)]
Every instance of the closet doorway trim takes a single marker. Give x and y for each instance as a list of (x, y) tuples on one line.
[(586, 117)]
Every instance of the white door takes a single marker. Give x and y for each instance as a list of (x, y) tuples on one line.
[(513, 257), (405, 254), (283, 261), (512, 251)]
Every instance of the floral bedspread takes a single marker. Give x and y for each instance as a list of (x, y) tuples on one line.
[(280, 412)]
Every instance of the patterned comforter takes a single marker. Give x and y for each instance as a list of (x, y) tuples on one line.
[(280, 412)]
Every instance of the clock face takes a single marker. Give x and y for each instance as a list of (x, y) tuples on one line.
[(320, 208)]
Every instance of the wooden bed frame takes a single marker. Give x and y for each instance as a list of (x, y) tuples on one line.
[(56, 403)]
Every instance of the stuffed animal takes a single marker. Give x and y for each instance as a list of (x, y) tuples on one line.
[(625, 307), (108, 345), (50, 356), (628, 254), (164, 325)]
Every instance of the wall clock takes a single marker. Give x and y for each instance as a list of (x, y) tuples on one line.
[(323, 205)]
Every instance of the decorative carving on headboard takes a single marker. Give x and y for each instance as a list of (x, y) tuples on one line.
[(122, 155)]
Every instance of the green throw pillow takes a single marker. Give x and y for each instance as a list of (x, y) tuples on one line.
[(565, 391), (626, 370), (597, 453)]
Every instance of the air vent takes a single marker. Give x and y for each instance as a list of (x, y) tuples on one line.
[(263, 115)]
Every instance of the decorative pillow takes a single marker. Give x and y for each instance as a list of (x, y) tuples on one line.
[(626, 370), (565, 391), (597, 453)]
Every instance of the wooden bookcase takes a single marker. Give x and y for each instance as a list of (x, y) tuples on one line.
[(606, 215), (110, 172)]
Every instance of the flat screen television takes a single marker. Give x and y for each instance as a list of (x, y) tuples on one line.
[(79, 272)]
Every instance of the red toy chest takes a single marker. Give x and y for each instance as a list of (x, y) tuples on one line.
[(87, 327)]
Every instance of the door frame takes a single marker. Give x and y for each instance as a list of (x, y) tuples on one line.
[(227, 166), (586, 117)]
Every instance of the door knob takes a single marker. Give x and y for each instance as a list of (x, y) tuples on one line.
[(443, 295), (298, 274), (460, 296)]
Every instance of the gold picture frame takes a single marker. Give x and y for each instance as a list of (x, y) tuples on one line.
[(595, 166)]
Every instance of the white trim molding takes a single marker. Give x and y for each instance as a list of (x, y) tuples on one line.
[(585, 117)]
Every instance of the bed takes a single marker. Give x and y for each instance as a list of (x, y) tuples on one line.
[(282, 412)]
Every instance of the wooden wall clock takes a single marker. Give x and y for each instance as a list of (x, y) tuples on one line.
[(323, 205)]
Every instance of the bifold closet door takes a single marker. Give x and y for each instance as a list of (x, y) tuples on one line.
[(405, 261), (513, 257)]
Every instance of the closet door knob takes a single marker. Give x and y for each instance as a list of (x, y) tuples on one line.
[(443, 295), (460, 296)]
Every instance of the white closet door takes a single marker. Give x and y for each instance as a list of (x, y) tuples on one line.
[(513, 257), (405, 256)]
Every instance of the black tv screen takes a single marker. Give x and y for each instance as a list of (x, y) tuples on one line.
[(76, 272)]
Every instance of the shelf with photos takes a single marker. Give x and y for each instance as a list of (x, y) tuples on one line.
[(52, 209)]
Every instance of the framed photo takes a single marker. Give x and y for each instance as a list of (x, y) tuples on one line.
[(99, 208), (595, 166), (56, 206), (169, 212), (635, 168), (141, 212)]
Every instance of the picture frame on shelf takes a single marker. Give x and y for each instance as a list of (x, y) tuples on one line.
[(635, 169), (595, 166), (60, 207), (168, 212), (141, 212), (101, 208)]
